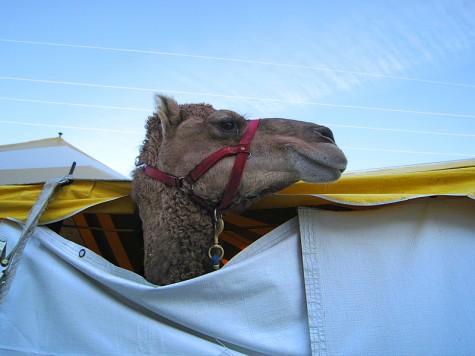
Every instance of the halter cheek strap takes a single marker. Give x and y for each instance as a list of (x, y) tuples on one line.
[(242, 151), (242, 155)]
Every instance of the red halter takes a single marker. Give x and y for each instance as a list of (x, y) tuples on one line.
[(242, 152)]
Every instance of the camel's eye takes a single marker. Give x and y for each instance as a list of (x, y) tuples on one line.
[(227, 125)]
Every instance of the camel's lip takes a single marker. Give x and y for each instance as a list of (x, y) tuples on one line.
[(327, 173), (339, 166), (332, 157), (327, 164)]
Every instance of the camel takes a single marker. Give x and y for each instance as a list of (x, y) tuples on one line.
[(180, 215)]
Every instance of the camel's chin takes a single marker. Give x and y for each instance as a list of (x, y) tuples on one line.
[(321, 174), (320, 168)]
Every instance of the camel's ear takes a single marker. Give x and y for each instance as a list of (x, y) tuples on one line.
[(168, 111)]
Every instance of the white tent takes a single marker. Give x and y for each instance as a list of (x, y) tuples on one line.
[(385, 278), (38, 161)]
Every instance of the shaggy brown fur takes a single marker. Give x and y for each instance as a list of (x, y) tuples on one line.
[(178, 227)]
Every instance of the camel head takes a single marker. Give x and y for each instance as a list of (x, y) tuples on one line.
[(283, 151)]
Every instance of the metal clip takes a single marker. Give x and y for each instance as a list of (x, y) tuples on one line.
[(216, 251)]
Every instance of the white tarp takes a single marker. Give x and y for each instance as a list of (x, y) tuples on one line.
[(393, 281), (398, 280), (60, 303)]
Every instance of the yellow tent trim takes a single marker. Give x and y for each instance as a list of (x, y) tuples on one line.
[(376, 188), (17, 200), (353, 189)]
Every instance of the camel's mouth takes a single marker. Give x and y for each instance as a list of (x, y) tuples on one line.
[(320, 166)]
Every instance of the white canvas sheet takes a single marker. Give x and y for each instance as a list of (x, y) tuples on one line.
[(393, 281), (60, 303)]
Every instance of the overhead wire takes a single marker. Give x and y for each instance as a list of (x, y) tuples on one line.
[(400, 130), (22, 123), (141, 133), (216, 95), (227, 96), (73, 104), (409, 152), (234, 96), (239, 60), (325, 124)]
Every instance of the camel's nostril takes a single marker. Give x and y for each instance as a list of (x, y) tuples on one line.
[(325, 132)]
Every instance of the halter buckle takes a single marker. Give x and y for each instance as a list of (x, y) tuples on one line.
[(179, 182)]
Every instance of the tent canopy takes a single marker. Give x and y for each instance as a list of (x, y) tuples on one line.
[(38, 161)]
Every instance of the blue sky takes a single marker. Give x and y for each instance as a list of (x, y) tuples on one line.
[(394, 80)]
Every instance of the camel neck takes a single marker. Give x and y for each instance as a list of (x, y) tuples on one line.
[(177, 232)]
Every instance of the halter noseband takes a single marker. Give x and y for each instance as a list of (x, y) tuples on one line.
[(242, 151)]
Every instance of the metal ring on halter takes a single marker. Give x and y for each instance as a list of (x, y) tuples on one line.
[(179, 183)]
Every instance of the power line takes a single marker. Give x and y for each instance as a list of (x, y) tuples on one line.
[(73, 104), (229, 96), (239, 97), (71, 127), (78, 84), (408, 152), (326, 124), (323, 69), (400, 130), (142, 133)]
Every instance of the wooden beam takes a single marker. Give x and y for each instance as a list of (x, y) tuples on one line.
[(114, 242), (86, 234)]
